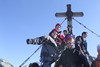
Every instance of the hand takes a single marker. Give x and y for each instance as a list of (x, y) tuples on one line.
[(78, 42)]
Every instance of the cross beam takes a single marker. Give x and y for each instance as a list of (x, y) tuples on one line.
[(69, 14)]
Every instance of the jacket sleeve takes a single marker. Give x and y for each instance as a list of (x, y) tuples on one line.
[(38, 40)]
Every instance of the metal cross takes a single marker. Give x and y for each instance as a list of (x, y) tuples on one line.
[(69, 14)]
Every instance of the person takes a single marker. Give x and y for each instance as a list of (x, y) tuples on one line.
[(66, 34), (34, 64), (58, 27), (84, 35), (49, 51), (96, 62), (83, 42), (81, 46), (70, 56), (59, 35), (60, 38)]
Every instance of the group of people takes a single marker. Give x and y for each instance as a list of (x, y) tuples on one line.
[(65, 50)]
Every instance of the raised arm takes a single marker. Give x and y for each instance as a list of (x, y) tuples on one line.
[(38, 40)]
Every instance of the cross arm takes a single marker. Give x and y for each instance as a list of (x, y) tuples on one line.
[(78, 14), (63, 14), (74, 14)]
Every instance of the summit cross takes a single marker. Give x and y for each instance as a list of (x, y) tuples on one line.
[(69, 15)]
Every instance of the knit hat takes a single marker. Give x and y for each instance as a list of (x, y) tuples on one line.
[(53, 31), (70, 42), (58, 24), (69, 38)]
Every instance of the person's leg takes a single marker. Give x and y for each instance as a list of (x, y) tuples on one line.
[(84, 61)]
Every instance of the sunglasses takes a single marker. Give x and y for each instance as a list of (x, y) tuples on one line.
[(70, 43)]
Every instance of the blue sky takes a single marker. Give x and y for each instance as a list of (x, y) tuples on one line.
[(22, 19)]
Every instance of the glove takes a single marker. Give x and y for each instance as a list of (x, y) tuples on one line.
[(29, 41)]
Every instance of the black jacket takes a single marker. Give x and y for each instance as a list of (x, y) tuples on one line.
[(69, 58)]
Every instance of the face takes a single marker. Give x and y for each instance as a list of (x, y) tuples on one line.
[(54, 34), (70, 44), (65, 33), (58, 27), (84, 35)]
